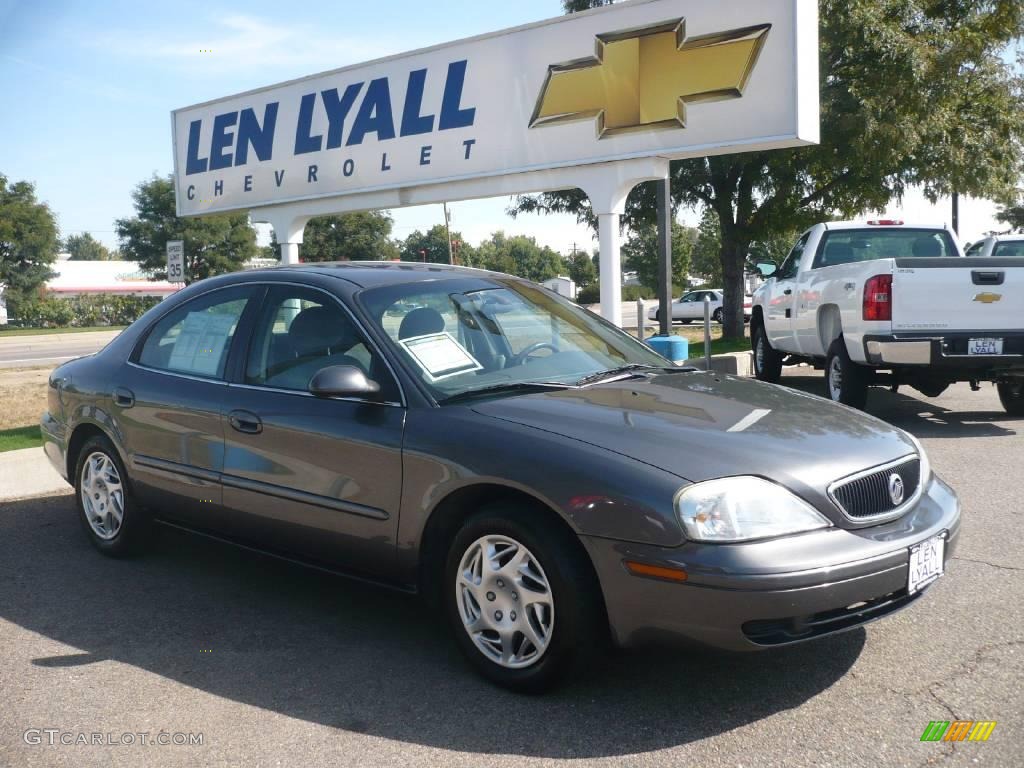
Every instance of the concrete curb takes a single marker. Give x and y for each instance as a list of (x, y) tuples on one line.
[(28, 473), (735, 363)]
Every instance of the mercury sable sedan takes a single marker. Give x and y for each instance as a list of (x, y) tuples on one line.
[(543, 478)]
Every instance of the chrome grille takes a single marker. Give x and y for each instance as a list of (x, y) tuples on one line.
[(867, 495)]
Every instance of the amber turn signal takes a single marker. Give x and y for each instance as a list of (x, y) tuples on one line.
[(655, 571)]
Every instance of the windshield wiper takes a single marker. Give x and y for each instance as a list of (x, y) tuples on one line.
[(623, 371), (514, 387)]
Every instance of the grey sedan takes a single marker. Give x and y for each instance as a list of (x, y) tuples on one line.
[(546, 481)]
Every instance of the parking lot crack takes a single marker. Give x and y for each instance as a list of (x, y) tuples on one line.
[(986, 562)]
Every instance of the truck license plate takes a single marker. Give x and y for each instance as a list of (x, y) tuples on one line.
[(925, 563), (984, 346)]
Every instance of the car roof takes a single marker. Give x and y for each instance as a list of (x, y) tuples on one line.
[(1007, 238), (369, 274), (867, 225)]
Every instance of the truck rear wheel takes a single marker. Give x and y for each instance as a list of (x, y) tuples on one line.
[(845, 380), (1011, 395), (767, 361)]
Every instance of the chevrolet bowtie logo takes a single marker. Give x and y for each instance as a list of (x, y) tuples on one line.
[(988, 298), (644, 78)]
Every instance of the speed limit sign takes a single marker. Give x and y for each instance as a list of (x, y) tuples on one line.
[(176, 261)]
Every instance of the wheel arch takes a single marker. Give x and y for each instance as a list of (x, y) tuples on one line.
[(830, 326), (79, 436), (450, 512)]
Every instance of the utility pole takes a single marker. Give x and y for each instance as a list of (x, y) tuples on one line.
[(956, 213), (448, 232)]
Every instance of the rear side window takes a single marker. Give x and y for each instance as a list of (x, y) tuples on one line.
[(195, 338), (975, 250), (1009, 248), (847, 246)]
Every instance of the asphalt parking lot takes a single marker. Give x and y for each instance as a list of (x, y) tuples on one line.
[(275, 665)]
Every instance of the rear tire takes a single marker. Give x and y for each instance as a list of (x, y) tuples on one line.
[(686, 322), (846, 382), (554, 586), (1011, 395), (114, 521), (718, 316), (767, 361)]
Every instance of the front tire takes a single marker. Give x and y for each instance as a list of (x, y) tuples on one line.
[(111, 517), (767, 361), (845, 381), (521, 598), (718, 316), (1011, 395)]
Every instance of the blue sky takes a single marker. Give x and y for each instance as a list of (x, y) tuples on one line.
[(89, 87)]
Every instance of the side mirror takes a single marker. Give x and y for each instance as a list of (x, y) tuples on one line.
[(342, 381), (767, 269)]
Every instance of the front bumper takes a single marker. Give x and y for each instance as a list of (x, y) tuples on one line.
[(944, 351), (763, 594)]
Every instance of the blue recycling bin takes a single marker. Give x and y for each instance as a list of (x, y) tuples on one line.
[(675, 348)]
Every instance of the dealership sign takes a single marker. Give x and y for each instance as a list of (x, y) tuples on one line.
[(649, 78)]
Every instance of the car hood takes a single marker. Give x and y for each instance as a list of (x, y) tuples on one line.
[(701, 426)]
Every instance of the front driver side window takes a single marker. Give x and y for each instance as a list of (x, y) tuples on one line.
[(299, 332), (790, 266)]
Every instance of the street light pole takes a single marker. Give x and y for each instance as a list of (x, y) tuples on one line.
[(664, 205), (448, 232)]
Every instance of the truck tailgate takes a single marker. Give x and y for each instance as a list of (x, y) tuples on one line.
[(958, 294)]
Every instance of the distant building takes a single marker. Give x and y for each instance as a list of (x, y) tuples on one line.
[(563, 286), (85, 278)]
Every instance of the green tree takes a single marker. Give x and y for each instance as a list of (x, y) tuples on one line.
[(914, 93), (581, 269), (432, 246), (28, 244), (85, 247), (1013, 216), (706, 257), (213, 244), (520, 255), (640, 254), (364, 236)]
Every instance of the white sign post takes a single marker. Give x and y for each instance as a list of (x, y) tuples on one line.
[(176, 261), (599, 100)]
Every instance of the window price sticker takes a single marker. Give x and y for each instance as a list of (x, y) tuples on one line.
[(440, 355)]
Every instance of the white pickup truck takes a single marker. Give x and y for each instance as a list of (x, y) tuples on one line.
[(887, 303)]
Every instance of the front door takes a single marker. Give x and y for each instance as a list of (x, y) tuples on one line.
[(778, 310), (319, 478)]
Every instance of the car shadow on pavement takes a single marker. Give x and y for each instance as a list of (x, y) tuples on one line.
[(921, 416), (350, 656)]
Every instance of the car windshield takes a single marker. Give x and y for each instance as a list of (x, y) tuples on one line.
[(459, 336), (844, 246), (1009, 248)]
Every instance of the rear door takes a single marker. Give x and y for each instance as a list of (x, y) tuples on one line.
[(169, 402), (958, 294)]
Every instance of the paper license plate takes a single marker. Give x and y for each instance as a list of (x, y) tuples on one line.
[(926, 564), (984, 346)]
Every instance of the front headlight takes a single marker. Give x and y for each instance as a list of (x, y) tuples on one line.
[(742, 509)]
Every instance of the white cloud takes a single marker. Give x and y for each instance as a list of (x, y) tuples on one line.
[(239, 42)]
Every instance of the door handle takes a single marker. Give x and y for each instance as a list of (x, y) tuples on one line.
[(124, 398), (243, 421), (788, 291)]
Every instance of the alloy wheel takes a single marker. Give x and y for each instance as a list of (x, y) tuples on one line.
[(505, 601), (102, 495), (835, 378)]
